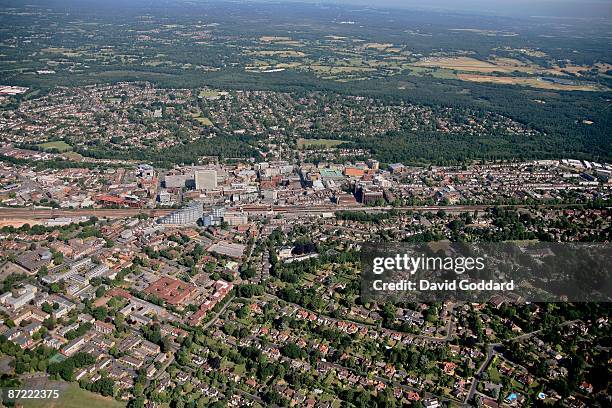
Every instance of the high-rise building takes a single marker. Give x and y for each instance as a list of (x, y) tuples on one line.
[(206, 179)]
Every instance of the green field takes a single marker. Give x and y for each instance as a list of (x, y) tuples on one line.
[(71, 396), (203, 121), (57, 146), (208, 93), (319, 143)]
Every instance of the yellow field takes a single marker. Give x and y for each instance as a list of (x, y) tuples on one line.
[(280, 53), (266, 38), (505, 65), (475, 65), (288, 65), (377, 46), (533, 82)]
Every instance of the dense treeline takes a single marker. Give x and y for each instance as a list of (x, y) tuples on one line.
[(189, 153)]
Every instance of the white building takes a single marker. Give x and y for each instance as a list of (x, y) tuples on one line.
[(19, 297)]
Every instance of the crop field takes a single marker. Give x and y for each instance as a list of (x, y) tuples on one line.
[(475, 70), (475, 65)]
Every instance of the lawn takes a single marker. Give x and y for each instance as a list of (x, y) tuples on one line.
[(57, 146), (58, 358), (208, 93), (204, 121), (72, 396), (319, 143), (494, 374)]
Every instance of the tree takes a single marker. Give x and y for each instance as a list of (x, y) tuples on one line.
[(47, 308), (100, 313), (100, 291)]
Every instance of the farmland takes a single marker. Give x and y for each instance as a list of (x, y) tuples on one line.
[(530, 81), (475, 70)]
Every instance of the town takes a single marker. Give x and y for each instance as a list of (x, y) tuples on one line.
[(205, 204), (239, 281)]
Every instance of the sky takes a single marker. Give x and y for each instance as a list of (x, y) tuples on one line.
[(551, 8)]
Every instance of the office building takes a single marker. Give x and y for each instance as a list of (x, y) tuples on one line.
[(184, 216)]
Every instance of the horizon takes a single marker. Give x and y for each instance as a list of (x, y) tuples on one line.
[(572, 9)]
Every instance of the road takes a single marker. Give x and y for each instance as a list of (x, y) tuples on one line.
[(494, 349), (491, 352), (214, 319)]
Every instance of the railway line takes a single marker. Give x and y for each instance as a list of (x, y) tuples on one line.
[(48, 213)]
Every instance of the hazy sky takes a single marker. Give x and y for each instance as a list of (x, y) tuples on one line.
[(557, 8)]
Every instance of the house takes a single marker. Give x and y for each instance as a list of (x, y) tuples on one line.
[(103, 327), (74, 346), (431, 403)]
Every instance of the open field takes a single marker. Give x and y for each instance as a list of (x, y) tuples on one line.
[(319, 143), (325, 69), (57, 146), (533, 82), (72, 156), (19, 223), (208, 93), (203, 121), (71, 396), (280, 53), (268, 38), (377, 46), (475, 65), (505, 65)]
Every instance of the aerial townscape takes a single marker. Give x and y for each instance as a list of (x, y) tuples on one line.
[(186, 188)]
